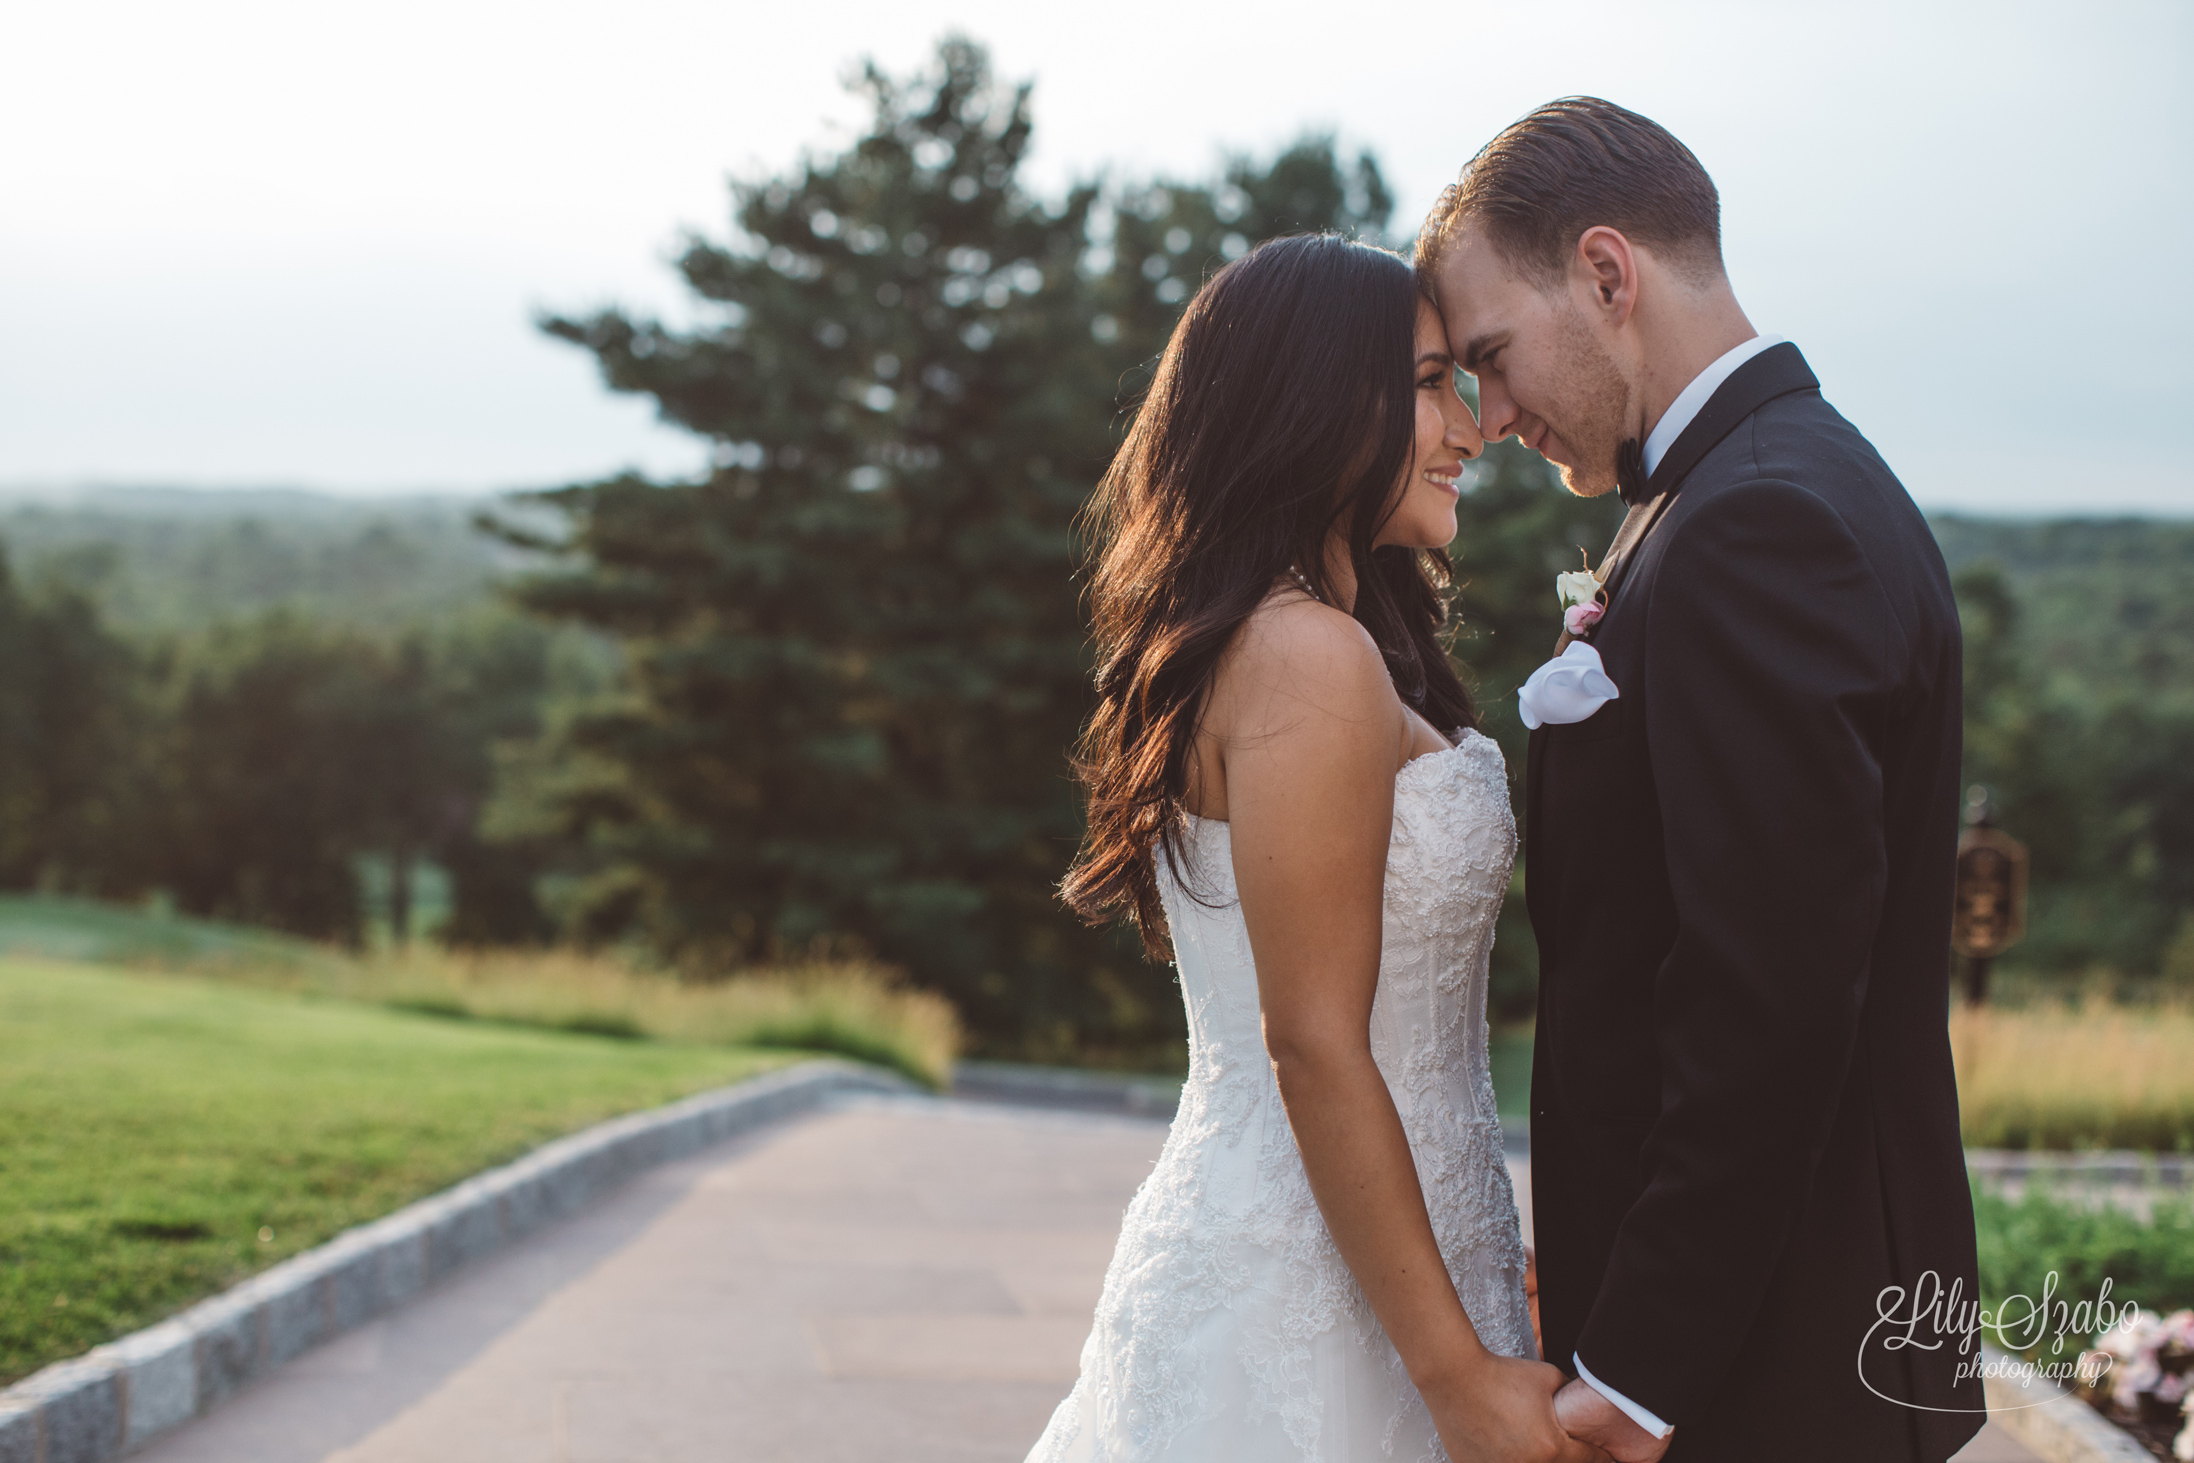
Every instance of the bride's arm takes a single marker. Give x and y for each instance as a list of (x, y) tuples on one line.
[(1311, 736)]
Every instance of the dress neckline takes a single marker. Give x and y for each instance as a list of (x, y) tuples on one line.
[(1463, 735)]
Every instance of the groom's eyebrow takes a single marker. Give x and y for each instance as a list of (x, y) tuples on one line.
[(1475, 352)]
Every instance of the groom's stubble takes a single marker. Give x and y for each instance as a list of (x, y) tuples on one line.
[(1591, 407)]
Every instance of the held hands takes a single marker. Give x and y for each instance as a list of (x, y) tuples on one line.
[(1585, 1414), (1580, 1410), (1501, 1410)]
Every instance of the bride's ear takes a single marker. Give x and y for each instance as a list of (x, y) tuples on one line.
[(1608, 267)]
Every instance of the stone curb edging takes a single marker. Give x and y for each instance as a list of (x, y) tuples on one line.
[(115, 1398), (1134, 1094), (2108, 1166), (2051, 1422)]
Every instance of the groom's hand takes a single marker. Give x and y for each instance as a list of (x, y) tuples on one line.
[(1586, 1415), (1502, 1411)]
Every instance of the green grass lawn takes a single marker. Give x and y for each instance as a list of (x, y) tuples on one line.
[(164, 1136)]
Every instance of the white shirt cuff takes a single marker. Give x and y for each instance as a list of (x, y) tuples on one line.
[(1632, 1410)]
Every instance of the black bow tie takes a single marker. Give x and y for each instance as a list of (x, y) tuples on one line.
[(1630, 472)]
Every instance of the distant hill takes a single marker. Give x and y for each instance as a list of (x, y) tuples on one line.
[(2030, 547), (2106, 599), (2107, 603), (176, 559)]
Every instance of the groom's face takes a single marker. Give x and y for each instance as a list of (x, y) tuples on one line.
[(1544, 375)]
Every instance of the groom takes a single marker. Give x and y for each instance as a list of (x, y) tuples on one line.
[(1742, 802)]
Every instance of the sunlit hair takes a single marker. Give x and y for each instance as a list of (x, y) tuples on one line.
[(1283, 409), (1572, 165)]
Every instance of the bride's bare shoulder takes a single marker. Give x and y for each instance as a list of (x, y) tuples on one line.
[(1298, 630), (1295, 656)]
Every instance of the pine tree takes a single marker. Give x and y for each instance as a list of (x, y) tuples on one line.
[(856, 648)]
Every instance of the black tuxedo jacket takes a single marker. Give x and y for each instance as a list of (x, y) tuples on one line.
[(1744, 1123)]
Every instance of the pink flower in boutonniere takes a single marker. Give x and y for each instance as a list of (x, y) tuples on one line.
[(1579, 618)]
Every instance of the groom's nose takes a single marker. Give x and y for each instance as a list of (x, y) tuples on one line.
[(1498, 413)]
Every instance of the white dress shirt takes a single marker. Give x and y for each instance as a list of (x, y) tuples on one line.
[(1679, 415), (1692, 397)]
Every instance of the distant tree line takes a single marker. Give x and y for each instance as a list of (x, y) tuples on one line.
[(819, 698), (246, 771)]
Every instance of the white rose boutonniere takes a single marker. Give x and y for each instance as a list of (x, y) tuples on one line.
[(1577, 587), (1579, 591)]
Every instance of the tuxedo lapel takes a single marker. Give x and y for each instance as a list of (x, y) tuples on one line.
[(1777, 371), (1636, 525)]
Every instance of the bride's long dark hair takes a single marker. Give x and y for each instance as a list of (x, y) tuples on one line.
[(1284, 408)]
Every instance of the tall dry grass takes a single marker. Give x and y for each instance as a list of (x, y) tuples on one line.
[(854, 1009), (2091, 1075)]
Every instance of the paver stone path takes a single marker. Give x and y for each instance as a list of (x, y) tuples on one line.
[(905, 1279)]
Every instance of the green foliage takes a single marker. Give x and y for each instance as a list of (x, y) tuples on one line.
[(150, 1127), (2150, 1262), (1509, 1052), (67, 693), (2106, 604), (290, 749), (2177, 974), (856, 650), (2080, 720), (245, 769), (262, 828)]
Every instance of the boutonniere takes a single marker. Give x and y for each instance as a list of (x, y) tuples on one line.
[(1583, 600), (1574, 684)]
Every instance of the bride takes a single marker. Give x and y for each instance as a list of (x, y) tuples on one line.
[(1288, 796)]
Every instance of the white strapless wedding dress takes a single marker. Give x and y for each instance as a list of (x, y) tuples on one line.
[(1230, 1330)]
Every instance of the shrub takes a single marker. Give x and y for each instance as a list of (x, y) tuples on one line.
[(2147, 1261)]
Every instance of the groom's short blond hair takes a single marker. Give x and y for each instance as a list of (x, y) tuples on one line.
[(1572, 165)]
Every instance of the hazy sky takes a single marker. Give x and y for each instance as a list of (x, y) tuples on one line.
[(283, 243)]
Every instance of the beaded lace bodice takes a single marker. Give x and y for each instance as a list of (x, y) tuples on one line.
[(1229, 1326)]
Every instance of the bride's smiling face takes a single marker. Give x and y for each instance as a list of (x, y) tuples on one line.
[(1447, 437)]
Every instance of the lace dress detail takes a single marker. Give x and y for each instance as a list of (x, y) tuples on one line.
[(1230, 1328)]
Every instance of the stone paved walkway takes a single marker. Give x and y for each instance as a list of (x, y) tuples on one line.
[(890, 1279)]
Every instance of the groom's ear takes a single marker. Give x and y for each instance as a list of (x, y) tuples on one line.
[(1607, 267)]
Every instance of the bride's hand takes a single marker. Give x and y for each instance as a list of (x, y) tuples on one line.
[(1501, 1410)]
